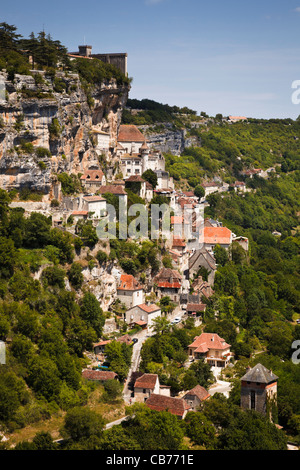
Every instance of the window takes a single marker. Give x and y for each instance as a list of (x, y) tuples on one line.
[(252, 398)]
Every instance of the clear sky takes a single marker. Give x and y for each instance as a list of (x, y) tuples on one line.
[(229, 57)]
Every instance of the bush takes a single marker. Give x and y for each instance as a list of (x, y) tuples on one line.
[(101, 256), (42, 152), (75, 275), (54, 203)]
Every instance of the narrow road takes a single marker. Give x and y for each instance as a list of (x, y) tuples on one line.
[(135, 361)]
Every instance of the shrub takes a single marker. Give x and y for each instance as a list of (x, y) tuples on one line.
[(42, 152), (101, 256)]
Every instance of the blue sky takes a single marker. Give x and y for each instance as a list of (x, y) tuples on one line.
[(229, 57)]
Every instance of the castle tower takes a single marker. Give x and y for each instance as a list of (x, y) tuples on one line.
[(259, 390)]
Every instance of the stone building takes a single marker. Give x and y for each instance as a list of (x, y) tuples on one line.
[(130, 292), (169, 283), (211, 348), (149, 384), (195, 397), (119, 60), (92, 179), (203, 258), (142, 315), (259, 390)]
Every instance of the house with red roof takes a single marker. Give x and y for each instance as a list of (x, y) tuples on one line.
[(142, 315), (176, 406), (135, 155), (95, 205), (130, 138), (210, 347), (195, 397), (212, 236), (129, 291), (93, 179), (169, 283), (98, 375)]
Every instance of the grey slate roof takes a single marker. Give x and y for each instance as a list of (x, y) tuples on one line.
[(259, 374)]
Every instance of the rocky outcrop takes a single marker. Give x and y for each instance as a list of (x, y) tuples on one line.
[(44, 131), (168, 140)]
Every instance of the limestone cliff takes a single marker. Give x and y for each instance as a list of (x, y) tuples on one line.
[(46, 126)]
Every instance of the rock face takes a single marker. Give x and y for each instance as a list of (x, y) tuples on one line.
[(44, 132), (170, 140)]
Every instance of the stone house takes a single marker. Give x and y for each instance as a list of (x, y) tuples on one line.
[(130, 138), (95, 205), (203, 258), (92, 179), (195, 397), (212, 236), (176, 406), (137, 184), (202, 288), (210, 347), (129, 291), (259, 390), (193, 309), (103, 141), (142, 315), (146, 385), (169, 283)]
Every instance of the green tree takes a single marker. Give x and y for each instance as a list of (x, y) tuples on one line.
[(91, 312), (75, 276), (82, 423), (151, 177)]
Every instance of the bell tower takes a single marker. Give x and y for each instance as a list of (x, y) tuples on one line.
[(259, 390)]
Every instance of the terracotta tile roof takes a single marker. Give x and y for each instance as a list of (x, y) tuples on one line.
[(130, 133), (135, 178), (168, 278), (144, 146), (149, 308), (100, 375), (195, 307), (102, 343), (217, 235), (93, 198), (178, 242), (80, 213), (199, 392), (128, 282), (210, 184), (146, 381), (167, 274), (113, 189), (176, 406), (140, 323), (92, 175), (208, 341), (125, 339)]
